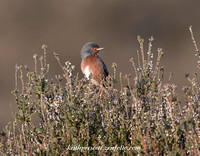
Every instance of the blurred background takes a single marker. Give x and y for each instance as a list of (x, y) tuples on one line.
[(66, 25)]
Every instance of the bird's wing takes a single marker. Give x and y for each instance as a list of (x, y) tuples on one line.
[(104, 67)]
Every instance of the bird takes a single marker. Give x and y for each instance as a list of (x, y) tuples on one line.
[(92, 65)]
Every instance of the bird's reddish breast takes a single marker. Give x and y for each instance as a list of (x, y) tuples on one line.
[(95, 67)]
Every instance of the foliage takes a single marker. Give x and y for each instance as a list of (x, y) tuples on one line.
[(145, 117)]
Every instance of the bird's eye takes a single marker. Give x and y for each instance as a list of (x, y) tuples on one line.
[(92, 48)]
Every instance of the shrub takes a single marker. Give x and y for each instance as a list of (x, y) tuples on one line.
[(144, 117)]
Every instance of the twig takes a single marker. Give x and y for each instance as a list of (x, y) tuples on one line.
[(16, 69), (44, 47), (25, 140), (138, 54), (133, 64), (57, 58), (193, 40), (42, 109)]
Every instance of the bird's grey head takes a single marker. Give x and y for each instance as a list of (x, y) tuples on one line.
[(89, 48)]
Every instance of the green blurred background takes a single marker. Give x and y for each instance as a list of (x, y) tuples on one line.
[(65, 25)]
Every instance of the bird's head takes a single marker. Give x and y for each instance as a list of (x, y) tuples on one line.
[(89, 49)]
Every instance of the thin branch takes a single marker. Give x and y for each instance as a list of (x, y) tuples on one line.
[(193, 40), (25, 140)]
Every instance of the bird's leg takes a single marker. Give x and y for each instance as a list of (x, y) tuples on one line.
[(102, 88)]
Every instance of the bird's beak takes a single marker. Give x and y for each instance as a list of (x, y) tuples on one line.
[(99, 49)]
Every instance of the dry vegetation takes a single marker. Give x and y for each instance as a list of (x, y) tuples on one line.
[(146, 113)]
